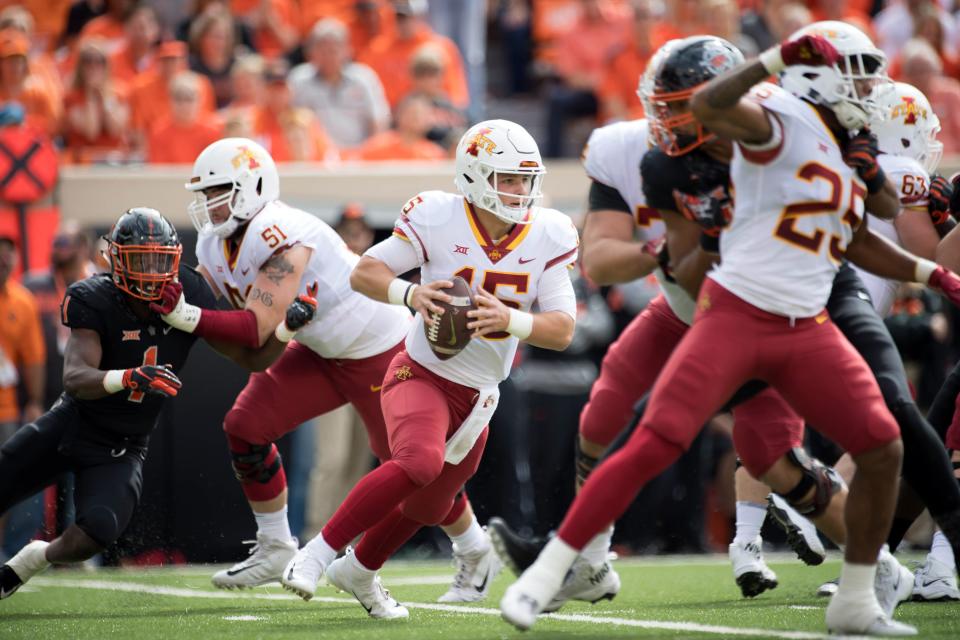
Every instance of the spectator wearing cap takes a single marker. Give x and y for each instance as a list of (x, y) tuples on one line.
[(150, 92), (17, 85), (97, 115), (212, 43), (289, 133), (109, 26), (41, 64), (275, 24), (389, 55), (48, 19), (408, 139), (353, 227), (922, 67), (346, 97), (181, 136), (447, 122), (141, 31)]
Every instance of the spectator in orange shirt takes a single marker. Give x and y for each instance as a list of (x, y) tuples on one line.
[(290, 134), (135, 53), (370, 20), (275, 24), (188, 130), (582, 55), (96, 112), (150, 92), (42, 65), (42, 109), (50, 19), (923, 69), (447, 123), (212, 43), (109, 26), (408, 140), (929, 27), (389, 55)]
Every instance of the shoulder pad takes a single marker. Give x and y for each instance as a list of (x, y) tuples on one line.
[(605, 150), (93, 289), (559, 228), (430, 208)]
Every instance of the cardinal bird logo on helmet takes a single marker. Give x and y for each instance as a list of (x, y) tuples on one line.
[(244, 154), (481, 141)]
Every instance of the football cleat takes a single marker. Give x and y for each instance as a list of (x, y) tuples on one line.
[(302, 573), (751, 573), (934, 582), (801, 533), (475, 573), (365, 586), (266, 562), (524, 600), (516, 552), (28, 562), (829, 588), (586, 583), (893, 583), (853, 617)]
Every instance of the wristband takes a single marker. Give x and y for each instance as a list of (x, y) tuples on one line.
[(113, 380), (283, 334), (875, 184), (185, 316), (521, 324), (772, 60), (923, 270), (398, 291)]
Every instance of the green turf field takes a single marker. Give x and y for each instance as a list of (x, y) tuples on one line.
[(690, 597)]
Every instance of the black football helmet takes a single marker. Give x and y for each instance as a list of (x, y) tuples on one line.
[(666, 89), (144, 252)]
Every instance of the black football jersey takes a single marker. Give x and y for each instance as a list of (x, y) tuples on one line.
[(694, 185), (127, 342)]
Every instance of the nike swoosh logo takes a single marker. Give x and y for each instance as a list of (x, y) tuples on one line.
[(483, 585), (525, 261), (245, 271), (6, 594), (233, 572), (453, 333), (375, 388), (361, 602), (934, 581), (167, 330)]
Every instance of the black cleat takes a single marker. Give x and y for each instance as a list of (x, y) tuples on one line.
[(801, 534), (9, 582), (517, 552)]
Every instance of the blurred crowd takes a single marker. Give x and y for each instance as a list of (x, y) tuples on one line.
[(121, 81)]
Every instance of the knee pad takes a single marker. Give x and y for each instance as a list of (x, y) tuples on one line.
[(816, 475), (102, 525), (421, 464), (459, 506), (254, 462), (583, 463)]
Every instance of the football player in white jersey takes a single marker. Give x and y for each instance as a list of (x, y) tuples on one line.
[(761, 283), (259, 253), (513, 253)]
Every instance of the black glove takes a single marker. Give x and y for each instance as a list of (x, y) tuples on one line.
[(939, 195), (955, 195), (149, 378), (301, 311), (712, 210), (861, 154)]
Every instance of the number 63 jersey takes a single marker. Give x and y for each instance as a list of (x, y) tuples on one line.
[(449, 240), (347, 325)]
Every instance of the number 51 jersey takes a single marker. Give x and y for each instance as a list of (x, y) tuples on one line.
[(347, 325), (450, 241)]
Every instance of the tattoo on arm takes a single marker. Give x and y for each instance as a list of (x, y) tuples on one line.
[(265, 297), (276, 268), (725, 90)]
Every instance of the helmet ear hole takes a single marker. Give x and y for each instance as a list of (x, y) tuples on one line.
[(905, 143), (260, 186)]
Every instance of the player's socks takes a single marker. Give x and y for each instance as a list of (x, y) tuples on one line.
[(857, 581), (595, 553), (941, 549), (274, 525), (375, 496), (383, 539), (319, 549), (750, 517), (471, 541)]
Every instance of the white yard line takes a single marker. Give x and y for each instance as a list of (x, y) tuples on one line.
[(695, 627)]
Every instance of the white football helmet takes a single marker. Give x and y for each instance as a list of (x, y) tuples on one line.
[(909, 127), (248, 168), (851, 87), (489, 149)]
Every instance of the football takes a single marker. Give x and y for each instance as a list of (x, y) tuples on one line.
[(449, 334)]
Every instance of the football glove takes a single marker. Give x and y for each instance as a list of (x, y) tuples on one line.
[(155, 379), (955, 196), (939, 197), (299, 314), (861, 154), (175, 310), (947, 282), (811, 51)]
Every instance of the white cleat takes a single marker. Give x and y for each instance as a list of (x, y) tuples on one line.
[(588, 584), (302, 573), (751, 573), (935, 581), (267, 559), (365, 586), (893, 584), (526, 598), (28, 562), (849, 617), (829, 588), (801, 533), (475, 573)]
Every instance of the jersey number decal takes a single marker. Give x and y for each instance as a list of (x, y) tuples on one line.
[(149, 357), (493, 279), (272, 236), (913, 186), (411, 203), (786, 229)]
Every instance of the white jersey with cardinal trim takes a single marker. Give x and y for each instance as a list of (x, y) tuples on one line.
[(796, 208), (347, 325), (449, 241), (911, 181), (612, 157)]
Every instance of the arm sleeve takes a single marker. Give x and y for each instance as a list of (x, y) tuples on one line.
[(555, 292), (397, 252), (603, 197)]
